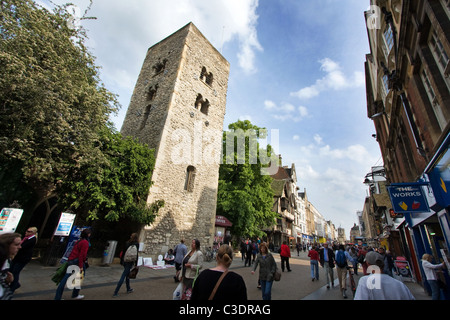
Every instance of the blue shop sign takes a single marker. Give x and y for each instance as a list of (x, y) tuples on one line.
[(408, 197), (439, 178)]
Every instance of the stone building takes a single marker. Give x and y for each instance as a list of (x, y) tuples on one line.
[(178, 108)]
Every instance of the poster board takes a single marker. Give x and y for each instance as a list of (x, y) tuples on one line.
[(65, 224), (9, 219)]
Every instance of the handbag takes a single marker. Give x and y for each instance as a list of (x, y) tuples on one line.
[(133, 272), (60, 273), (213, 293), (277, 275)]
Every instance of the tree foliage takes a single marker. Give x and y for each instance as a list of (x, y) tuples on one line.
[(55, 134), (245, 195), (115, 188), (52, 102)]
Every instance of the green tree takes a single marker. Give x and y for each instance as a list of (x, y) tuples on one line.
[(245, 195), (55, 134), (52, 102), (115, 188)]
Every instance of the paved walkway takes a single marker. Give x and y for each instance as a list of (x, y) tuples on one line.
[(152, 284)]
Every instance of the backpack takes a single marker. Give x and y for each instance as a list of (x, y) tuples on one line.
[(131, 254), (341, 260)]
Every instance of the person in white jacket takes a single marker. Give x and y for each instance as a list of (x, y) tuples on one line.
[(430, 274)]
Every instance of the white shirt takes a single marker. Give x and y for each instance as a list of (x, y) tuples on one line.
[(380, 286), (428, 269)]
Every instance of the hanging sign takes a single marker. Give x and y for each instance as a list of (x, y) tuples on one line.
[(408, 198)]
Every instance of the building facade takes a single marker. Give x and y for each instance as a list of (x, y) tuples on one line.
[(408, 99), (177, 109)]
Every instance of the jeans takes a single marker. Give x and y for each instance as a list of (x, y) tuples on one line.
[(435, 291), (62, 284), (266, 289), (126, 271), (314, 269)]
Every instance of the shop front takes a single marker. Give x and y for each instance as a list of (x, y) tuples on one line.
[(222, 231)]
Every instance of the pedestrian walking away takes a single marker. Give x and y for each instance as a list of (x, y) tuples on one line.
[(431, 276), (23, 257), (380, 286), (220, 283), (326, 260), (128, 260), (314, 262), (267, 269), (77, 257), (341, 267), (285, 254), (180, 252)]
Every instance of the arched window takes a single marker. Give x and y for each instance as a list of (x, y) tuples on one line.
[(151, 92), (202, 104), (206, 77), (190, 177)]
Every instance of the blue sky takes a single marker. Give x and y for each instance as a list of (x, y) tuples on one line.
[(297, 66)]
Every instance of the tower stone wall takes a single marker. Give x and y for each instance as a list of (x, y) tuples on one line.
[(178, 108)]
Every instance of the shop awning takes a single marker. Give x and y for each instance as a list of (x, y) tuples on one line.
[(221, 221)]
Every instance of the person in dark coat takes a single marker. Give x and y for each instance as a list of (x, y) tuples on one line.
[(23, 257), (326, 259)]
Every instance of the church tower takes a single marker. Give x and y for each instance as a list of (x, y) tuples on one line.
[(178, 108)]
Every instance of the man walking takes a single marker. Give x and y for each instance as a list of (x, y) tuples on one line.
[(326, 259)]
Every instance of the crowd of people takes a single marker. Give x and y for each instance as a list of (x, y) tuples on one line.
[(377, 264)]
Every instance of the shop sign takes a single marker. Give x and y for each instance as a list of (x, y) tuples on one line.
[(408, 198), (223, 222), (440, 180)]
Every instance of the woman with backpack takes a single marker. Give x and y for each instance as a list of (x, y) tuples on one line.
[(128, 259)]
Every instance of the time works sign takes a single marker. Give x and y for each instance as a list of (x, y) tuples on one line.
[(408, 198)]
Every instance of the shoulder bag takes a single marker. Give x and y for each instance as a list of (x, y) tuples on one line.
[(213, 293)]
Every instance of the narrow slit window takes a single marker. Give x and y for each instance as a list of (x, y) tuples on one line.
[(148, 108), (190, 177)]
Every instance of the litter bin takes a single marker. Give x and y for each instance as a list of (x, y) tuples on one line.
[(108, 254)]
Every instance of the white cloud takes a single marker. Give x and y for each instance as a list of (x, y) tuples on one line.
[(334, 79), (296, 137), (286, 111)]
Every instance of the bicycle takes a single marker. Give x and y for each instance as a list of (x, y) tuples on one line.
[(352, 281)]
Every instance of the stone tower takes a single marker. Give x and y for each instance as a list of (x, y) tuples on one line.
[(178, 108)]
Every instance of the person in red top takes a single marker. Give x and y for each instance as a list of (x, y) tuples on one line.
[(77, 257), (285, 254), (314, 262)]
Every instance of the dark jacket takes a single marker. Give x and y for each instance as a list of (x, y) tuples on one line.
[(267, 266), (26, 251), (330, 257)]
